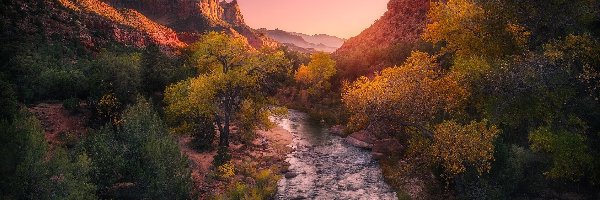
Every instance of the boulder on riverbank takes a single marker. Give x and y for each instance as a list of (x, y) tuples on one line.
[(379, 147), (360, 139)]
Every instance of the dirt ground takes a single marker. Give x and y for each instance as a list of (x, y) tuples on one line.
[(56, 120)]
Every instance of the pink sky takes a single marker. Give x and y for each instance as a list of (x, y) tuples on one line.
[(342, 18)]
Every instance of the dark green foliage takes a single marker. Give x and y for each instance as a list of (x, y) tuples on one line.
[(158, 70), (71, 104), (8, 100), (115, 73), (42, 71), (525, 92), (223, 156), (203, 134), (548, 19), (30, 171), (140, 156)]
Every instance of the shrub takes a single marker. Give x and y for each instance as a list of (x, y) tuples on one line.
[(71, 104), (264, 188), (140, 151), (30, 171), (223, 156), (68, 139), (226, 170), (203, 133)]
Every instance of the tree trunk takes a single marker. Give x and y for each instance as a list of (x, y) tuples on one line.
[(224, 137)]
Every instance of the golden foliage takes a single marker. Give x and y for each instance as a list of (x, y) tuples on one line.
[(412, 93), (226, 170), (457, 146), (468, 29), (108, 107), (317, 73)]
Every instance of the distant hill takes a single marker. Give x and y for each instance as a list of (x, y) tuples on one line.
[(303, 42), (327, 40)]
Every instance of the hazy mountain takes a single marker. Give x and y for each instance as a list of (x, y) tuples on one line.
[(304, 42), (327, 40)]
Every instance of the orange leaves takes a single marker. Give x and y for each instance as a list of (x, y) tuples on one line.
[(458, 146), (320, 69), (303, 75)]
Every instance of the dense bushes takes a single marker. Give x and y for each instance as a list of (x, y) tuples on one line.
[(30, 170), (46, 72), (138, 158)]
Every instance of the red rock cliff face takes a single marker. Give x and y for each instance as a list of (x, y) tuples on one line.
[(191, 18), (402, 23), (89, 22), (232, 13), (181, 15)]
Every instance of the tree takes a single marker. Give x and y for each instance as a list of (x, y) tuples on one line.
[(568, 150), (158, 70), (317, 74), (407, 96), (117, 74), (459, 146), (233, 76), (468, 29), (580, 55)]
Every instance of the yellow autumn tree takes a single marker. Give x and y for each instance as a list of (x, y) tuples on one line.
[(458, 146), (316, 75), (467, 29), (407, 96), (230, 89)]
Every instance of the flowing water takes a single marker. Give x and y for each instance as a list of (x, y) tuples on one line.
[(323, 166)]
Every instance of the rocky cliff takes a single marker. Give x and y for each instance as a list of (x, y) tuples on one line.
[(90, 23), (232, 13), (402, 24), (190, 18)]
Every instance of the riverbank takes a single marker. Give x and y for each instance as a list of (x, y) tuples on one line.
[(262, 160)]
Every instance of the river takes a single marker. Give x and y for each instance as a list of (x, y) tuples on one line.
[(323, 166)]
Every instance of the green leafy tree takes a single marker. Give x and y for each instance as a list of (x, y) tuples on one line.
[(233, 76), (568, 150), (159, 69), (117, 74)]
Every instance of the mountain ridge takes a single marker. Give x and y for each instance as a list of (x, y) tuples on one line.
[(304, 42), (401, 24), (191, 18)]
